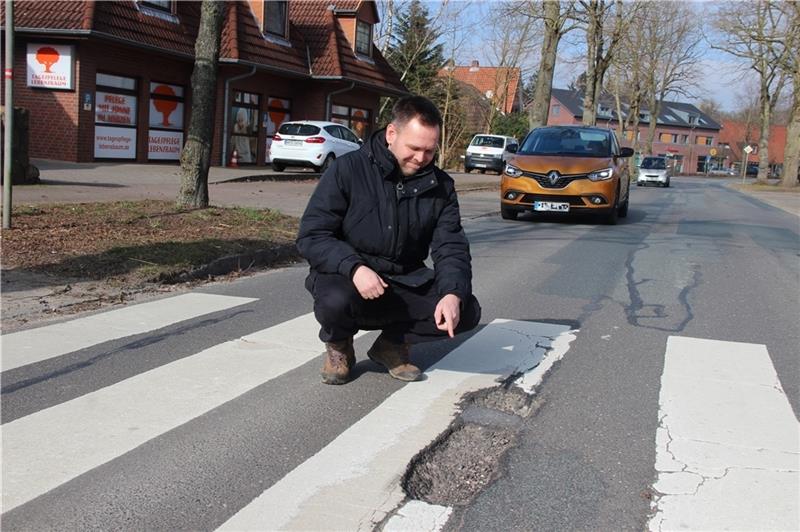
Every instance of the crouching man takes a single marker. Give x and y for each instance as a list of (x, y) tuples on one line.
[(371, 222)]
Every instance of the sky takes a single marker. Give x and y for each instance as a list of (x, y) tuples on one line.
[(722, 78)]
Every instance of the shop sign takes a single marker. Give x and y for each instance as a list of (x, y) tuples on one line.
[(164, 145), (166, 107), (114, 142), (115, 109), (50, 66)]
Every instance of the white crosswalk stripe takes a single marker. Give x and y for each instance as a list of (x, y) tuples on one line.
[(34, 345), (728, 443)]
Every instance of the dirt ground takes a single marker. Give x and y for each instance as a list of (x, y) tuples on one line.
[(58, 260)]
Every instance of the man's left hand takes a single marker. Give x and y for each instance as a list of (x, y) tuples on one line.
[(447, 313)]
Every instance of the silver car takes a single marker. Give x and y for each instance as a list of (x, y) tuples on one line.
[(654, 170)]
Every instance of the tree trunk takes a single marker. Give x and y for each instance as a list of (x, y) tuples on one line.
[(594, 51), (196, 156), (763, 141), (791, 154), (540, 106)]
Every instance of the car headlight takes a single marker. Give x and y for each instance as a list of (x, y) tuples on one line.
[(512, 171), (601, 175)]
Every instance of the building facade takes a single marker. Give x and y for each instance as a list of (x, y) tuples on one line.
[(107, 81), (683, 133)]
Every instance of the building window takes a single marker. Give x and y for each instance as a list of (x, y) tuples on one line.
[(555, 110), (244, 130), (115, 114), (279, 110), (684, 139), (707, 141), (692, 119), (165, 137), (275, 17), (363, 38), (162, 5), (355, 118)]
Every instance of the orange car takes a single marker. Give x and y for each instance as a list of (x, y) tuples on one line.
[(567, 170)]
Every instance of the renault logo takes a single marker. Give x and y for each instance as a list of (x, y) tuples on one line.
[(553, 177)]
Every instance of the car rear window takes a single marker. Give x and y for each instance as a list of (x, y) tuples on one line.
[(565, 141), (654, 163), (486, 141), (303, 130)]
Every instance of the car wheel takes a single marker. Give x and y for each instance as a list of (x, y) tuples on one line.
[(508, 214), (667, 183), (612, 217), (278, 167), (638, 184), (623, 209), (483, 170), (326, 163), (467, 169)]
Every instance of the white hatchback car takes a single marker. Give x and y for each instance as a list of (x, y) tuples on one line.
[(311, 143), (656, 170)]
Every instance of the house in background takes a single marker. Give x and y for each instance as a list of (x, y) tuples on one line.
[(736, 135), (486, 88), (111, 80), (683, 132)]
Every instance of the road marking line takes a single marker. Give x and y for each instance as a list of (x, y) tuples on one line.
[(50, 447), (353, 483), (728, 444), (34, 345)]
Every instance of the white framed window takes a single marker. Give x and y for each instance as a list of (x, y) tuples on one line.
[(363, 38), (162, 5), (555, 110), (276, 17)]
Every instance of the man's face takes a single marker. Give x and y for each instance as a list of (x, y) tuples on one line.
[(413, 145)]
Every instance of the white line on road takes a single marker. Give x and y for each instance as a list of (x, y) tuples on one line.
[(353, 483), (728, 444), (34, 345), (52, 446)]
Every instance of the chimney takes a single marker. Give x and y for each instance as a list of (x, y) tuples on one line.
[(474, 66)]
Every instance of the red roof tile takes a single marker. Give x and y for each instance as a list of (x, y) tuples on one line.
[(490, 79), (50, 14), (243, 39)]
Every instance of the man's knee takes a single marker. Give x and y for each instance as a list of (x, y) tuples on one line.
[(470, 315), (333, 298)]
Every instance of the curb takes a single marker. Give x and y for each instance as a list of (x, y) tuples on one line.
[(279, 255)]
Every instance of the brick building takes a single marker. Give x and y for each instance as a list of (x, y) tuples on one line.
[(736, 135), (112, 80), (683, 132)]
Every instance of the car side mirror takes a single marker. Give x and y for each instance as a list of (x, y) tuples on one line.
[(512, 149), (360, 142), (626, 152)]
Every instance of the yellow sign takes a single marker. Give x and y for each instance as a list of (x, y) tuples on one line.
[(712, 151)]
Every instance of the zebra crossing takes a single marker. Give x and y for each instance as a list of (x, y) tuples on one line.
[(335, 488)]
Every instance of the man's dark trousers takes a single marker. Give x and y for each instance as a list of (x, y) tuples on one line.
[(405, 314)]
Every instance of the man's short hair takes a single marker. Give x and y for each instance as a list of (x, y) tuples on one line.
[(419, 107)]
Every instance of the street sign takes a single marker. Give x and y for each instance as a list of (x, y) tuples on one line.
[(712, 151), (748, 149)]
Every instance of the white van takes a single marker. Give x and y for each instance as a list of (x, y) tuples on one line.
[(489, 152)]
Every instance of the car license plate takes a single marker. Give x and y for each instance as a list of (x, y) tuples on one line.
[(550, 206), (480, 165), (294, 142)]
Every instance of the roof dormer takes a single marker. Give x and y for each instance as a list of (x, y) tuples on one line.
[(357, 20)]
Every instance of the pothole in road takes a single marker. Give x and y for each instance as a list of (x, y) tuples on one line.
[(467, 457)]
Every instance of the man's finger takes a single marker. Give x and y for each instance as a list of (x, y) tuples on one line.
[(449, 321)]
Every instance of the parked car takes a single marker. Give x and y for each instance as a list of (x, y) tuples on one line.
[(752, 169), (656, 170), (489, 152), (567, 170), (312, 144)]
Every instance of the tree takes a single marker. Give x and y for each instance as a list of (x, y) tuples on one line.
[(759, 35), (196, 156), (599, 50), (413, 50), (555, 17), (791, 153), (671, 55)]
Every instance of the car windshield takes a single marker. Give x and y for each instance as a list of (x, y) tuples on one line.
[(487, 141), (303, 130), (654, 163), (567, 141)]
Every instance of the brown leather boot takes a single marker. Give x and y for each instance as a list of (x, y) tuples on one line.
[(393, 357), (340, 357)]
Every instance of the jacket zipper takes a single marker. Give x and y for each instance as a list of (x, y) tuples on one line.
[(398, 192)]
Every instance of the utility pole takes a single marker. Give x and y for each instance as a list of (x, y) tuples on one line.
[(9, 114)]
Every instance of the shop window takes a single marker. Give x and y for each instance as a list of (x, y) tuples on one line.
[(363, 38), (276, 17), (115, 113), (279, 110), (166, 117), (244, 126), (355, 118)]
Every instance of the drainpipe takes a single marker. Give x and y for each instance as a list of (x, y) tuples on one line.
[(225, 113), (334, 93)]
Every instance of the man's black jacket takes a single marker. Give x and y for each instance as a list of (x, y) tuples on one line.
[(364, 211)]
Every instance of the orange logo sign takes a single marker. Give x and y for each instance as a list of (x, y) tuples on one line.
[(48, 57)]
